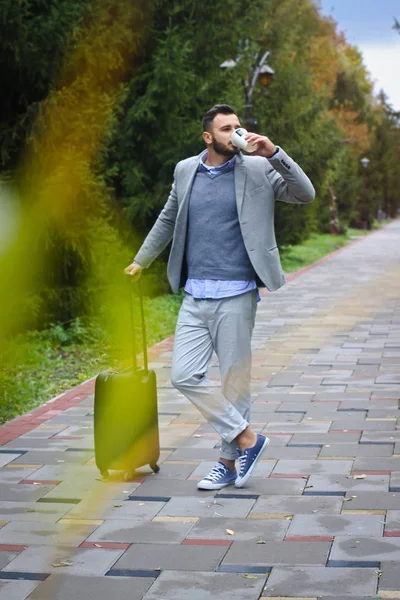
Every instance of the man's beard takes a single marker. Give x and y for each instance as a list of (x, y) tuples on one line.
[(222, 149)]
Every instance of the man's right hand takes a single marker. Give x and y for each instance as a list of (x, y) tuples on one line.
[(134, 270)]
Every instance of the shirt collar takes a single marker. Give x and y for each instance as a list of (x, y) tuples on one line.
[(225, 167)]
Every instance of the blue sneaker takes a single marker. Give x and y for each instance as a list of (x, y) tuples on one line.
[(248, 459), (219, 477)]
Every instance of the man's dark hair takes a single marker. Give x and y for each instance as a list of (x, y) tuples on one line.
[(218, 109)]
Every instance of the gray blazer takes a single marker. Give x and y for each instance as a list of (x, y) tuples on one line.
[(258, 183)]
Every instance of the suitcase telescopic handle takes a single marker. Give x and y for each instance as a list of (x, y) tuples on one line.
[(143, 326)]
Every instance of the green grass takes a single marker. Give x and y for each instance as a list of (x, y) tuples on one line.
[(37, 366), (318, 245)]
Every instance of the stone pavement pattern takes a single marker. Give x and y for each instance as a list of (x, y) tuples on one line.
[(320, 518)]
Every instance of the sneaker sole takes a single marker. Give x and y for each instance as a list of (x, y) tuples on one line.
[(215, 486), (243, 480)]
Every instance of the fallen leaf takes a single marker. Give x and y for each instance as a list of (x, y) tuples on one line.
[(37, 483), (98, 545), (142, 503), (197, 435), (117, 505), (248, 576), (230, 531), (261, 542), (62, 563), (359, 476)]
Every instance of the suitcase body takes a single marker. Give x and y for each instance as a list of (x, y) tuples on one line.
[(126, 432)]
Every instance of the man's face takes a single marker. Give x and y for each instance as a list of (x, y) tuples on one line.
[(220, 135)]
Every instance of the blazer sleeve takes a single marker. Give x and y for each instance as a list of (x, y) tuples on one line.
[(162, 231), (288, 180)]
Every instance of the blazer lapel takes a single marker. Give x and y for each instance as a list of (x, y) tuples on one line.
[(240, 181)]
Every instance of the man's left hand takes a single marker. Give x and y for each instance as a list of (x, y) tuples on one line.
[(264, 145)]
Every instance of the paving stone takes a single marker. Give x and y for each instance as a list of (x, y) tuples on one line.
[(66, 587), (62, 471), (84, 487), (380, 436), (309, 426), (277, 553), (174, 585), (330, 438), (334, 483), (43, 444), (209, 507), (244, 529), (269, 487), (81, 561), (160, 532), (321, 581), (390, 579), (171, 488), (297, 505), (375, 500), (22, 492), (393, 520), (365, 549), (17, 590), (115, 510), (323, 525), (377, 464), (357, 450), (314, 466), (50, 534), (171, 557), (291, 453), (45, 457), (7, 458), (197, 454), (32, 511)]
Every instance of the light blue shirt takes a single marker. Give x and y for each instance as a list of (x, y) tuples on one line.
[(216, 288)]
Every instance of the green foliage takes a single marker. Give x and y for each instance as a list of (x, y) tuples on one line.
[(101, 99)]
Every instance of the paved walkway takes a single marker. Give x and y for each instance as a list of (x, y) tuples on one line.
[(321, 516)]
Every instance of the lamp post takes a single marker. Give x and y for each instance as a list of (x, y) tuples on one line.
[(365, 220), (260, 71)]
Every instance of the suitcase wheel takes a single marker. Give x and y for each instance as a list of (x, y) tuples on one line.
[(155, 468), (105, 474)]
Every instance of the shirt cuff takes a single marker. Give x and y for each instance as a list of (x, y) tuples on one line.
[(275, 153)]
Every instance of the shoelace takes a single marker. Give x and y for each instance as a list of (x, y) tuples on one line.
[(242, 462), (216, 473)]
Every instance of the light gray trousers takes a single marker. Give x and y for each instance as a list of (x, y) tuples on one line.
[(225, 326)]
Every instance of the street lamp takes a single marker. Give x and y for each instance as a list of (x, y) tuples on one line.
[(364, 162), (261, 72), (365, 220)]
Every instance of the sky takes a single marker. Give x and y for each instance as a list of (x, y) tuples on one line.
[(368, 24)]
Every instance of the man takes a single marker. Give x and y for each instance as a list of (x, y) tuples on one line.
[(220, 217)]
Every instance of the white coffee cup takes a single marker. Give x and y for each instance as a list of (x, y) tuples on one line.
[(238, 140)]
